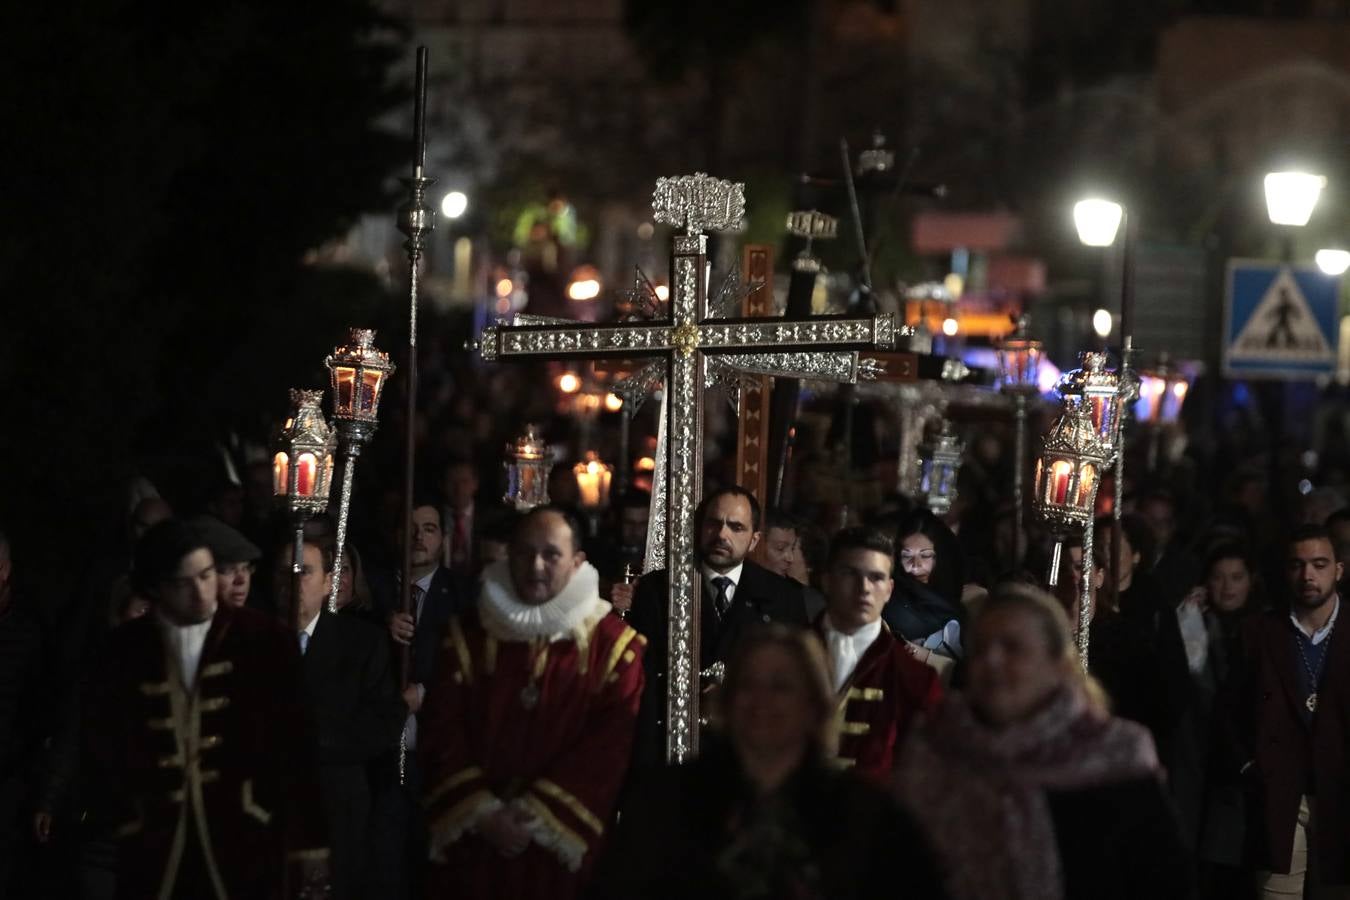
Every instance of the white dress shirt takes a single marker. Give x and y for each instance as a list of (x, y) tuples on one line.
[(735, 575), (186, 642), (1324, 632), (846, 649)]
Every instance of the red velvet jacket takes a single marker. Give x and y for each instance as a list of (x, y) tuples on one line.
[(879, 703), (228, 764)]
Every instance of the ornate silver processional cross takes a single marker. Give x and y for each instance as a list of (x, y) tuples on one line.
[(693, 345)]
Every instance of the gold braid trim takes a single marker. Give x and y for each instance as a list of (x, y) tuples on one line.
[(460, 818), (573, 805), (490, 655), (461, 650), (866, 694), (855, 728), (626, 637), (224, 667), (449, 784)]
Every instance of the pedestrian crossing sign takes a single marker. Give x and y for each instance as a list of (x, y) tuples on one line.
[(1280, 321)]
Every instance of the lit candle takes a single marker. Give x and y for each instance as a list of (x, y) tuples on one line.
[(305, 478), (592, 483), (1059, 474)]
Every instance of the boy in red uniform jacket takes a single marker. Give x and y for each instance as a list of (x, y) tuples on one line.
[(881, 687)]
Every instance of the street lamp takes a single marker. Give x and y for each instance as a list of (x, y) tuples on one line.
[(1333, 262), (454, 204), (1097, 221), (1101, 323), (1292, 196)]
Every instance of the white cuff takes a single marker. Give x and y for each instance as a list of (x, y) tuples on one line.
[(456, 824)]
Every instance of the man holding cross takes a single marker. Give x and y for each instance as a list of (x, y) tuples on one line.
[(737, 593)]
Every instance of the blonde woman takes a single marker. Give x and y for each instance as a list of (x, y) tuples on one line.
[(1027, 787), (762, 812)]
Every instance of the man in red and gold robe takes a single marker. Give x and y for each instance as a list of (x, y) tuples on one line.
[(527, 730), (882, 689)]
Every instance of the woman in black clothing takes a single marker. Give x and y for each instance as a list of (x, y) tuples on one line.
[(1229, 594), (1026, 787), (925, 607), (761, 813)]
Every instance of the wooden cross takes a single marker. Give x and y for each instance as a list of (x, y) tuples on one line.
[(690, 344)]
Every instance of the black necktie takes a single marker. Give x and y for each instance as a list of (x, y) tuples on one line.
[(722, 602)]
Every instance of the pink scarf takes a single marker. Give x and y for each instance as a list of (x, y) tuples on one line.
[(980, 793)]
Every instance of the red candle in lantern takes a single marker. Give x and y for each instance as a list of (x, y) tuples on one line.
[(305, 481), (1060, 486)]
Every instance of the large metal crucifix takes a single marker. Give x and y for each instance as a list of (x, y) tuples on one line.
[(692, 342)]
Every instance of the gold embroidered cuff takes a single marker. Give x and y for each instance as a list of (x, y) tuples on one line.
[(855, 728), (570, 803)]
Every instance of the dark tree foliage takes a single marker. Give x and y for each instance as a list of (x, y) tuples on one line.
[(169, 165)]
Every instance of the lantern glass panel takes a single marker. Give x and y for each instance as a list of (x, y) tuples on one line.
[(1087, 486), (345, 378), (281, 475), (370, 389)]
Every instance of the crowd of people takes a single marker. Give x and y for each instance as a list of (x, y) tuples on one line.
[(890, 702)]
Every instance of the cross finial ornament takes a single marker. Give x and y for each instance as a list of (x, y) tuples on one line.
[(699, 203)]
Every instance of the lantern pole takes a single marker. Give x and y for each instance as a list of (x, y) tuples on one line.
[(297, 560), (1124, 392), (1019, 474), (416, 220), (1085, 598)]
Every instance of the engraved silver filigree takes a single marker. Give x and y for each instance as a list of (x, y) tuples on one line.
[(699, 203)]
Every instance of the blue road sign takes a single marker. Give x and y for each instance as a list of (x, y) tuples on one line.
[(1280, 321)]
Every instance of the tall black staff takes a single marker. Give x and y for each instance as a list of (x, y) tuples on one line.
[(416, 219)]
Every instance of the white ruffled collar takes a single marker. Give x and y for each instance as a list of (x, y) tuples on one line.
[(568, 616)]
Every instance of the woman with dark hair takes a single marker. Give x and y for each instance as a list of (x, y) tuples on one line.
[(1211, 617), (762, 812), (925, 608), (1027, 787)]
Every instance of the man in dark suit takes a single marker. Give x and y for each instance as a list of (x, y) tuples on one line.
[(736, 594), (351, 694), (400, 835), (459, 518), (1295, 709)]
